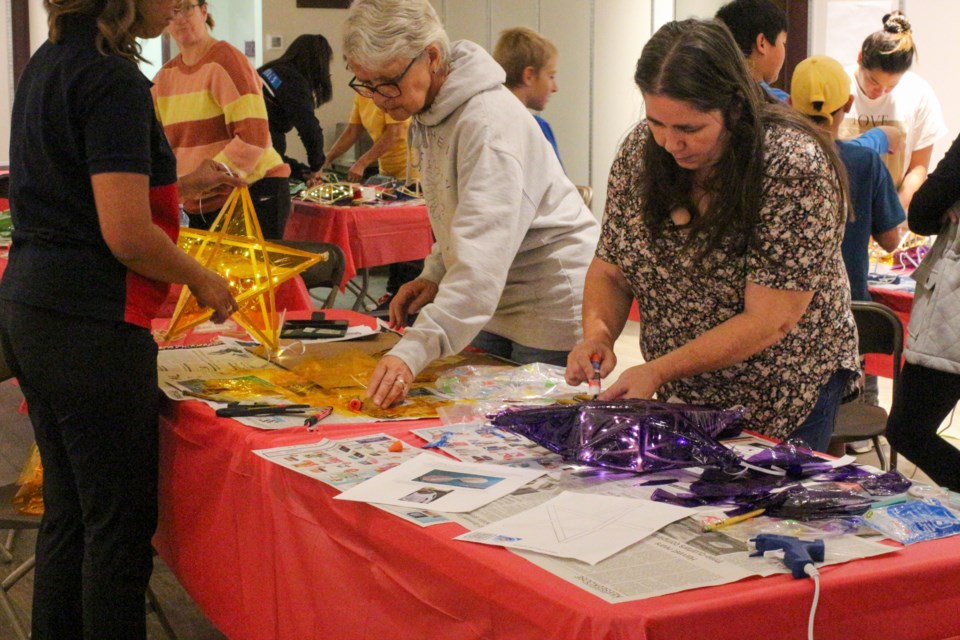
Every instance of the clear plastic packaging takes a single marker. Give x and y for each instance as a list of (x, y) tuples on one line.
[(536, 381), (914, 521)]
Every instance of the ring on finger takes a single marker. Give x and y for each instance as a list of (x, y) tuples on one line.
[(400, 381)]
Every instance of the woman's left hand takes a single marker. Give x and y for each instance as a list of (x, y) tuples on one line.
[(390, 381), (641, 381)]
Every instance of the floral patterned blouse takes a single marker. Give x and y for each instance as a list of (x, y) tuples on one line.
[(797, 248)]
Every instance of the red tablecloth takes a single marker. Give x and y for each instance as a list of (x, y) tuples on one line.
[(268, 554), (900, 302), (370, 236)]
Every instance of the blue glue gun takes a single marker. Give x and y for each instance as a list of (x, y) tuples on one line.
[(797, 553)]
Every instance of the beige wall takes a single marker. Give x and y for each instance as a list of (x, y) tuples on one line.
[(6, 82), (598, 40), (286, 20)]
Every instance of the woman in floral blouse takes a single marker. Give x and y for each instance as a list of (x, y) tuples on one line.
[(724, 219)]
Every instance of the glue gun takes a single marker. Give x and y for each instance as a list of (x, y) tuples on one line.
[(797, 553)]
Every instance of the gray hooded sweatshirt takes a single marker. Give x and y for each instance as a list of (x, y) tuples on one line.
[(513, 237)]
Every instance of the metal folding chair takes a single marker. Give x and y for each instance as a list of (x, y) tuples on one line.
[(880, 332), (327, 274)]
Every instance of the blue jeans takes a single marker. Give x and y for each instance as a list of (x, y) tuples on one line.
[(818, 426), (506, 348)]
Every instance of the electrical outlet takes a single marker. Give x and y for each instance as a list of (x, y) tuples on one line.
[(249, 48), (274, 42)]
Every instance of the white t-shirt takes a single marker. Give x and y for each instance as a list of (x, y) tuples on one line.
[(912, 107)]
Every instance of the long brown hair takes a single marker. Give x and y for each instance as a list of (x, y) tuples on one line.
[(310, 55), (699, 63), (117, 21)]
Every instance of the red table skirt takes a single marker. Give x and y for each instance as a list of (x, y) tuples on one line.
[(268, 554), (370, 236)]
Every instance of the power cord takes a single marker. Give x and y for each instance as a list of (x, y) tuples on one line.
[(811, 571)]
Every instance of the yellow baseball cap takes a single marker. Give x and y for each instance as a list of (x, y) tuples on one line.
[(819, 87)]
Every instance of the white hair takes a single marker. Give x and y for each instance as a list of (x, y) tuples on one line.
[(378, 32)]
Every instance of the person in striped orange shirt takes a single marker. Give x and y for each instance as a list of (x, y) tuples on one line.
[(210, 103)]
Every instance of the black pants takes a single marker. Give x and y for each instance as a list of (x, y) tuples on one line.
[(91, 390), (271, 201), (924, 399)]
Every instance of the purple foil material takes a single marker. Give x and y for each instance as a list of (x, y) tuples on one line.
[(890, 483), (801, 503), (639, 436)]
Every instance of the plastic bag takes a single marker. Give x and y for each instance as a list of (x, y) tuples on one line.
[(535, 381), (29, 498), (913, 521)]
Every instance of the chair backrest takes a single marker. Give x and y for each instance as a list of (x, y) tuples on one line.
[(880, 331), (586, 193), (328, 273)]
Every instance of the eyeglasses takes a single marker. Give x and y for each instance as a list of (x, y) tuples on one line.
[(389, 89), (184, 9)]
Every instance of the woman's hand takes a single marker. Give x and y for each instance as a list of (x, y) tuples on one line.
[(641, 381), (211, 290), (410, 298), (580, 364), (389, 382), (210, 177)]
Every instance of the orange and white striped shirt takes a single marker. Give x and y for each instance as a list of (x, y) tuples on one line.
[(215, 109)]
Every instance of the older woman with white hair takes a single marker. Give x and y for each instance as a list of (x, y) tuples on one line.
[(513, 237)]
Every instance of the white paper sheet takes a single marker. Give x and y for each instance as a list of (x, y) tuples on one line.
[(443, 484), (580, 526)]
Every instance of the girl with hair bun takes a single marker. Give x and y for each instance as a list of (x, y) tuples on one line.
[(887, 93)]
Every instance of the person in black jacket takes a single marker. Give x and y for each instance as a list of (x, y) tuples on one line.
[(927, 395), (294, 85)]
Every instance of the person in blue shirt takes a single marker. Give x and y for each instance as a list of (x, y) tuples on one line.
[(760, 30), (530, 61), (820, 88)]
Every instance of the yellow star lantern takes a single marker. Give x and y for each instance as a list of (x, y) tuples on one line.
[(235, 249)]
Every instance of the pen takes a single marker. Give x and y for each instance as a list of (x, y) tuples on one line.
[(595, 380), (311, 422), (734, 520)]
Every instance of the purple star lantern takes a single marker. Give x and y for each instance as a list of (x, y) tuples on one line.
[(640, 436)]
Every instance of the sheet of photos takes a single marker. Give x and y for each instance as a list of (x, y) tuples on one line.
[(481, 443), (342, 463)]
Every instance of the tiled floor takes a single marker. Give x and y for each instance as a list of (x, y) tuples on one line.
[(187, 620)]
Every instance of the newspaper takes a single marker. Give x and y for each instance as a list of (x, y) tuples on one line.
[(681, 556), (678, 557)]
